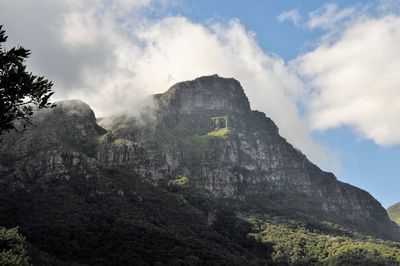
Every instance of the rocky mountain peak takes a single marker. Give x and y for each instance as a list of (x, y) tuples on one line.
[(205, 93), (67, 110), (205, 133), (71, 121), (75, 108)]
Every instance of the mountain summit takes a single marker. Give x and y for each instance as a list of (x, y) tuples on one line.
[(205, 131), (183, 173), (204, 94)]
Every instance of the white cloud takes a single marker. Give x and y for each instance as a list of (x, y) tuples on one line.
[(329, 16), (291, 15), (355, 80), (110, 54)]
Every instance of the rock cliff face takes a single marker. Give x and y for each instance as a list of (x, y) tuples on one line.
[(64, 142), (61, 141), (203, 130), (206, 131), (191, 98)]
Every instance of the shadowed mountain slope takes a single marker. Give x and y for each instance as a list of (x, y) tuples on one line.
[(204, 129), (177, 185)]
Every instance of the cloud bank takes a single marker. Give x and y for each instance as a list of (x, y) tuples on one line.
[(350, 75), (354, 80)]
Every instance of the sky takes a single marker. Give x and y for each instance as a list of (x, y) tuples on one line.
[(325, 71)]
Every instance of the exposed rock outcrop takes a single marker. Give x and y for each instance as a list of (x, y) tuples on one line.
[(204, 130), (60, 142)]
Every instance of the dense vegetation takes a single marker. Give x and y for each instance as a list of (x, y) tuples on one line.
[(173, 224), (222, 132), (13, 248), (127, 222), (296, 245)]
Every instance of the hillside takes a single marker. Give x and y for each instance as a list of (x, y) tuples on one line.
[(204, 129), (394, 213), (73, 208), (199, 180)]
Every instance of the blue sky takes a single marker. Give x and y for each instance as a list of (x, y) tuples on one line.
[(260, 17), (324, 71), (284, 39)]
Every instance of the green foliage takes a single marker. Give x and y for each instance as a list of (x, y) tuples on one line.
[(12, 248), (197, 145), (222, 132), (394, 213), (122, 142), (103, 139), (20, 91), (300, 246), (88, 222), (181, 181)]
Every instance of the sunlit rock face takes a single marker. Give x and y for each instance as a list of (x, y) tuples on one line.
[(64, 142), (202, 129), (205, 130), (191, 97)]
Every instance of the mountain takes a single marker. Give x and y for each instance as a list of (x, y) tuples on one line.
[(205, 130), (197, 179), (394, 212), (82, 196)]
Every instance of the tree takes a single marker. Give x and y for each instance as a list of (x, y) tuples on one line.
[(21, 92), (13, 248)]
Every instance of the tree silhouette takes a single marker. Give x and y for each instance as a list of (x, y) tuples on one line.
[(21, 92)]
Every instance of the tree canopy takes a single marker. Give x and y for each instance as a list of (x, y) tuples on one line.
[(21, 92)]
